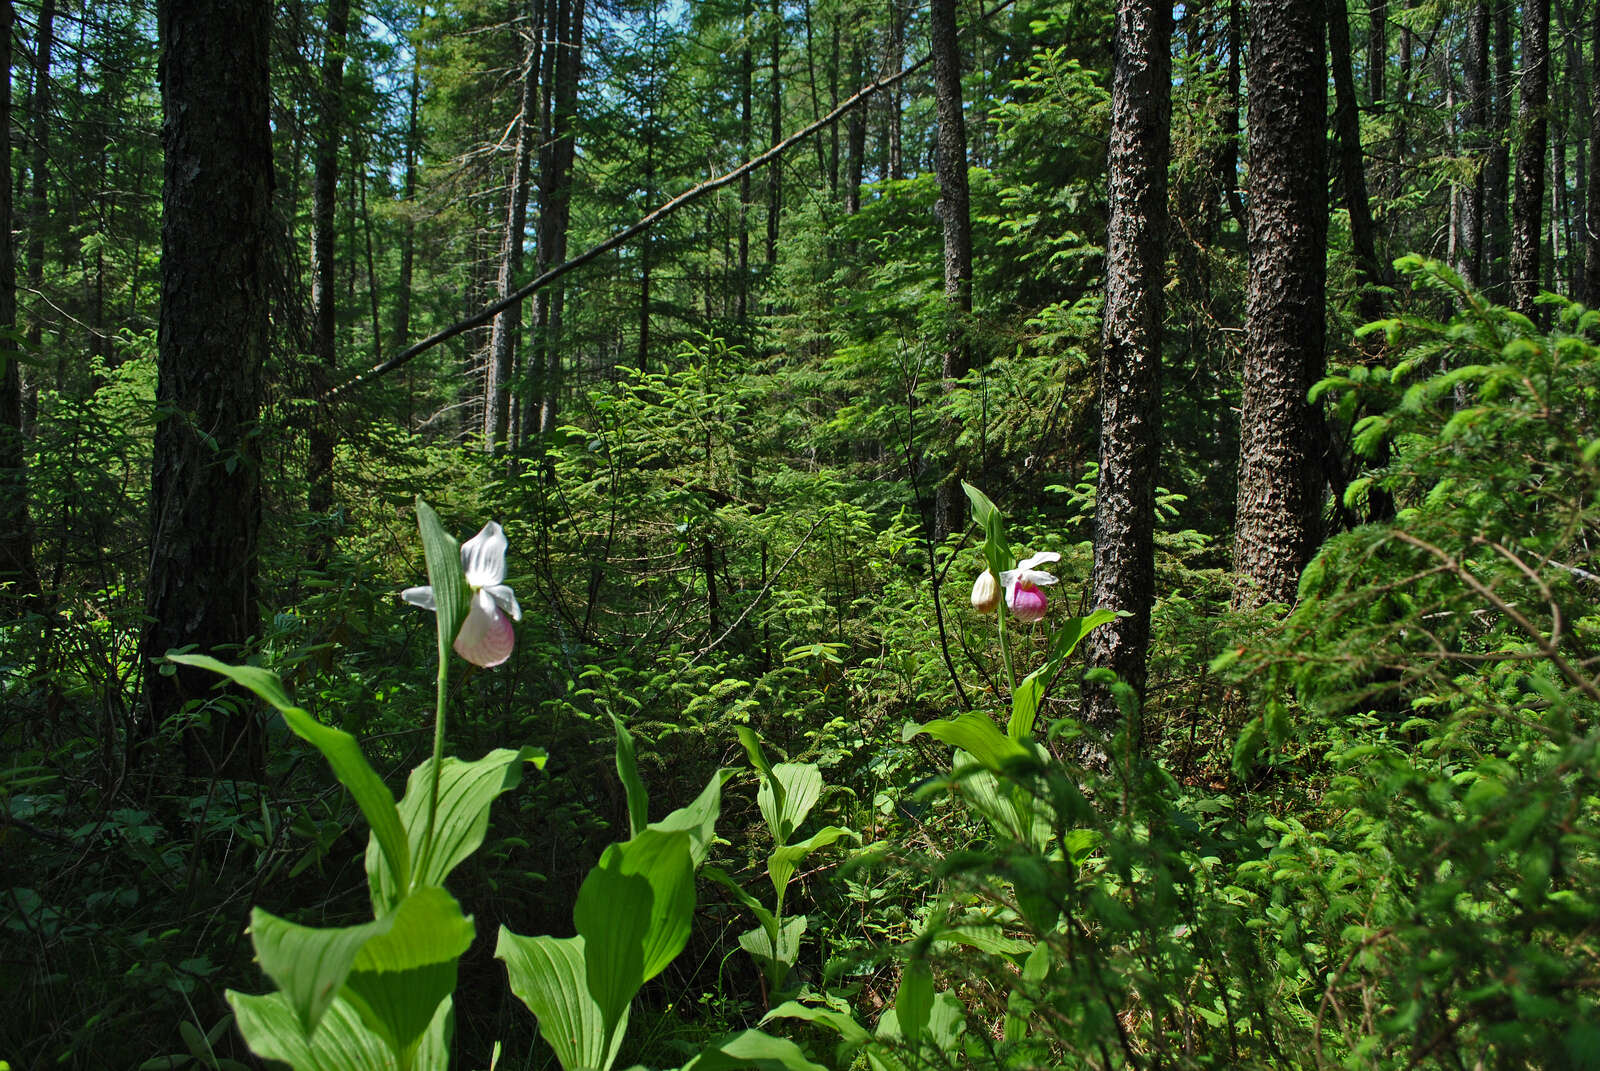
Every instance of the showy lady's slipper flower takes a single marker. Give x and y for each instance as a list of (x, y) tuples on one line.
[(1022, 586), (985, 593), (486, 637)]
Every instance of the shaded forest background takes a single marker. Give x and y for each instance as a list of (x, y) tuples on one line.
[(727, 453)]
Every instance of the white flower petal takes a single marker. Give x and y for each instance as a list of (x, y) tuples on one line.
[(1039, 559), (1036, 577), (483, 557), (422, 597), (486, 637), (506, 599)]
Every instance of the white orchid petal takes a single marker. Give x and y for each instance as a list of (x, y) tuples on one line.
[(422, 597), (486, 637), (1035, 577), (1039, 559), (483, 557), (506, 599), (1009, 577)]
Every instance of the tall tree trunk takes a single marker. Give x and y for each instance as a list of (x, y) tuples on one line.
[(855, 131), (1352, 172), (1377, 51), (212, 344), (18, 578), (746, 138), (1474, 120), (775, 130), (955, 212), (408, 193), (1497, 168), (507, 332), (643, 362), (897, 60), (1527, 208), (1228, 159), (833, 103), (555, 207), (1130, 347), (1575, 97), (324, 312), (1591, 231), (38, 205), (1279, 488)]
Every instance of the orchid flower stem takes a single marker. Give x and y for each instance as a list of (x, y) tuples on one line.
[(438, 754), (1005, 652)]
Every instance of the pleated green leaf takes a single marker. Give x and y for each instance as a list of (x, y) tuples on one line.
[(782, 862), (752, 1049), (442, 554), (400, 977), (308, 964), (628, 772), (466, 791), (975, 734), (341, 1043), (548, 975), (634, 912)]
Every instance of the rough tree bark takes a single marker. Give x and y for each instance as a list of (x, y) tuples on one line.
[(1497, 168), (212, 346), (955, 212), (1527, 208), (1352, 170), (559, 149), (38, 204), (1279, 486), (1591, 230), (507, 331), (1130, 347), (324, 310), (1474, 121), (18, 578)]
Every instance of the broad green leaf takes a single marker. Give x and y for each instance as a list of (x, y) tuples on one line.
[(308, 964), (985, 938), (400, 977), (775, 958), (1064, 640), (466, 791), (1016, 815), (752, 1049), (996, 548), (773, 802), (1025, 701), (946, 1020), (1071, 631), (782, 862), (341, 1043), (801, 788), (548, 975), (442, 554), (975, 734), (344, 758), (628, 771), (841, 1023), (698, 818), (632, 932), (913, 1001)]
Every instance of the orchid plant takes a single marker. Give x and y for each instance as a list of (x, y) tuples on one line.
[(379, 995)]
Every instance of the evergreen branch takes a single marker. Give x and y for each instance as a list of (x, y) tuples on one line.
[(622, 237)]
